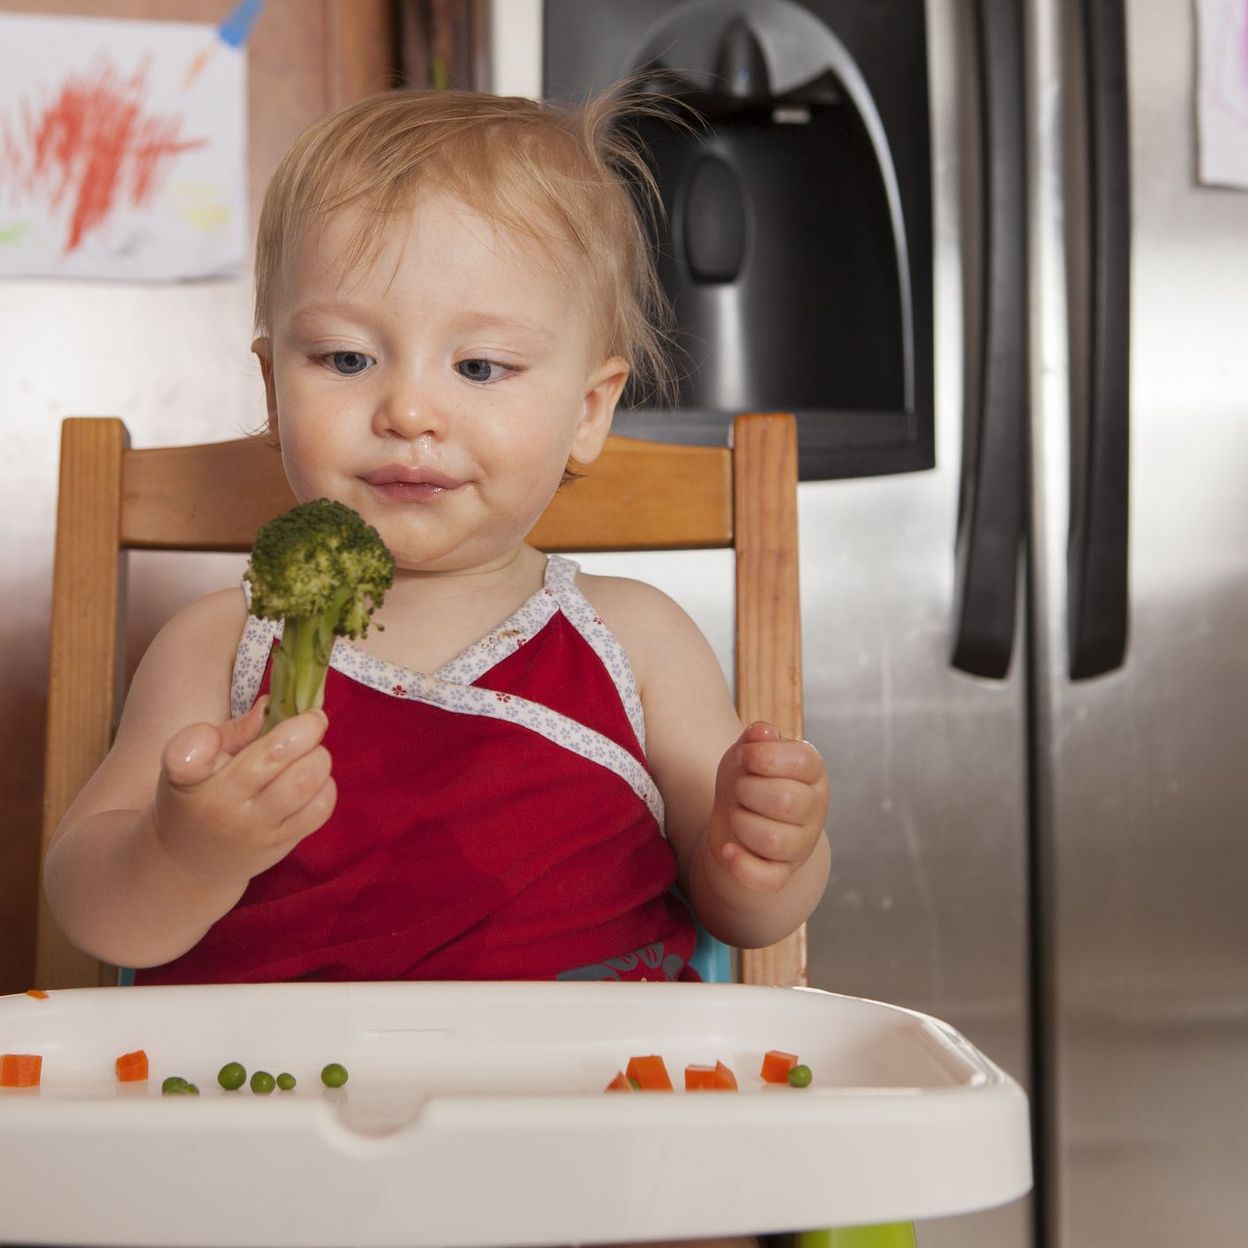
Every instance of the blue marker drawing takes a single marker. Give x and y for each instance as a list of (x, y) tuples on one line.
[(232, 33), (235, 29)]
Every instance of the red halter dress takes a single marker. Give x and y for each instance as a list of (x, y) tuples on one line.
[(495, 820)]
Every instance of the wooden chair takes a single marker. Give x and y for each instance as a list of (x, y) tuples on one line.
[(636, 496)]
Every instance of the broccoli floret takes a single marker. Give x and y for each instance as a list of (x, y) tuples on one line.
[(323, 570)]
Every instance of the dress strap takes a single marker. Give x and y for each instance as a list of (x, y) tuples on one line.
[(250, 660), (561, 581)]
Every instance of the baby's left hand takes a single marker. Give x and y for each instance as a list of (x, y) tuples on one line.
[(771, 798)]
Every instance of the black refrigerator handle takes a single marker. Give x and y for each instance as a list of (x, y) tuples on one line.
[(994, 484), (1096, 563)]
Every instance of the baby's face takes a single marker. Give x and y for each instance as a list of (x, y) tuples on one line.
[(440, 389)]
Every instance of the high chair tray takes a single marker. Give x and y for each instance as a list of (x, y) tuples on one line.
[(475, 1114)]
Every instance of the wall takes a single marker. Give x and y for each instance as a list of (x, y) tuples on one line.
[(172, 360)]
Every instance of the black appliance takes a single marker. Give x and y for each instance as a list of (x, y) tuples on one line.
[(796, 247)]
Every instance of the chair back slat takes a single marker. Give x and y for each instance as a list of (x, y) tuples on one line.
[(637, 496), (643, 496), (215, 496)]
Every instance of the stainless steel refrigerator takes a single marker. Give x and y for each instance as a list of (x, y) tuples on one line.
[(1054, 859)]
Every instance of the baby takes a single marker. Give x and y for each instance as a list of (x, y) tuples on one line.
[(522, 771)]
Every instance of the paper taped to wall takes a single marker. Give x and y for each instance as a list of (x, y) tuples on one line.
[(123, 149), (1222, 108)]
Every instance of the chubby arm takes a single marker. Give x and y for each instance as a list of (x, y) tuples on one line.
[(188, 805), (745, 808)]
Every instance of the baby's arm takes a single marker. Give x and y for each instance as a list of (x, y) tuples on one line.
[(188, 805), (744, 807)]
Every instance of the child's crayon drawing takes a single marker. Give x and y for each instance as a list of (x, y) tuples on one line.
[(122, 149)]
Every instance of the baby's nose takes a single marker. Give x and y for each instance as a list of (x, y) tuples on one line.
[(410, 411)]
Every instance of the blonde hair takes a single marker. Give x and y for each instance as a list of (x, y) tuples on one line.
[(567, 177)]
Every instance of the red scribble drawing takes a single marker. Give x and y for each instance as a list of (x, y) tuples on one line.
[(92, 149)]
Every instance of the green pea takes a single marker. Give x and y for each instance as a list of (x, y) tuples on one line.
[(262, 1083), (175, 1085), (800, 1077), (191, 1090), (232, 1076), (285, 1081), (334, 1075)]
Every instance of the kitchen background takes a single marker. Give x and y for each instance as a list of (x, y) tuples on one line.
[(1055, 867)]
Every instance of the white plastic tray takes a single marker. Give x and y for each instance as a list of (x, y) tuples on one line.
[(475, 1115)]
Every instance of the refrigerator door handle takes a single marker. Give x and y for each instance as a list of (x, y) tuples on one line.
[(1096, 563), (994, 474)]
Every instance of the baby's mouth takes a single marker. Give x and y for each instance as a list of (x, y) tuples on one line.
[(402, 483)]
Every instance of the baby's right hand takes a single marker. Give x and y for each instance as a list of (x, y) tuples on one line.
[(230, 803)]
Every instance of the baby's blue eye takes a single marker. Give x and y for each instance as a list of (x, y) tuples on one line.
[(348, 363), (481, 370)]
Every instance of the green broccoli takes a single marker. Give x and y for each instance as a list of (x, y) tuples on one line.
[(323, 570)]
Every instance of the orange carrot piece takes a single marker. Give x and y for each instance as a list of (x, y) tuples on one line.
[(700, 1078), (777, 1064), (725, 1080), (650, 1073), (619, 1084), (37, 993), (132, 1067), (20, 1070)]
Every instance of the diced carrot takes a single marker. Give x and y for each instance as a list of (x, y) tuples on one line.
[(37, 993), (132, 1067), (619, 1084), (717, 1078), (699, 1078), (650, 1074), (20, 1070), (776, 1066)]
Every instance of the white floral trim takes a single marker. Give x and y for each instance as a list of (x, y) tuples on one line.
[(250, 661), (561, 579), (524, 623)]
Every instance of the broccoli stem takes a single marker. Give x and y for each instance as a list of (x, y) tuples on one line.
[(300, 664)]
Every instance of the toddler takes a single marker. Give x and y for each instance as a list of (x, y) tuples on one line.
[(527, 761)]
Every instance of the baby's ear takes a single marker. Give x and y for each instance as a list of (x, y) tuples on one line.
[(262, 349), (602, 393)]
